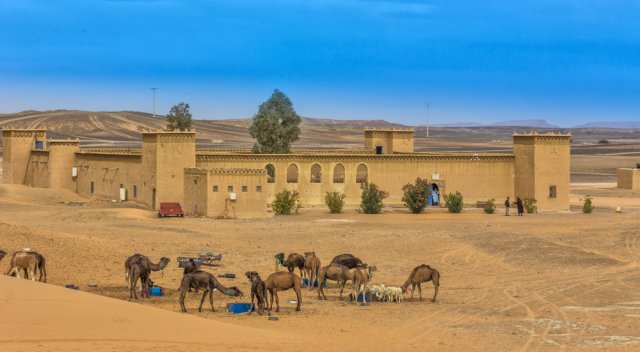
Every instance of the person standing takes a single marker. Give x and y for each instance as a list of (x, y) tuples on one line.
[(520, 206), (507, 206)]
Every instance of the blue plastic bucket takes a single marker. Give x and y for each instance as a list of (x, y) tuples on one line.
[(238, 308), (305, 283), (156, 291)]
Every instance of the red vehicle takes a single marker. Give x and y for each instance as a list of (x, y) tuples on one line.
[(170, 209)]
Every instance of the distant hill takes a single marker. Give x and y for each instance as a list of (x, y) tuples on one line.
[(611, 124), (511, 123)]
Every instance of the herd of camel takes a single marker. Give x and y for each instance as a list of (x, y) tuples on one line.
[(342, 269)]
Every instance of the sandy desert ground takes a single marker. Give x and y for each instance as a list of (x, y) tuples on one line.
[(544, 282)]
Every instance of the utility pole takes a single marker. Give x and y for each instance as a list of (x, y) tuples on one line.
[(154, 101), (428, 106)]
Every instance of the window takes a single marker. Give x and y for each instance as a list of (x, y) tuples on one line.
[(91, 187), (230, 189), (552, 191), (316, 174), (135, 191), (362, 174), (338, 174), (292, 173), (258, 189), (215, 189), (244, 188), (271, 173), (378, 149), (121, 185)]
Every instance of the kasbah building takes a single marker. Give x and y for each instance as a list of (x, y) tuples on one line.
[(236, 183)]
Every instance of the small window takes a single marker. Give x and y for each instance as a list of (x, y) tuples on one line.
[(378, 149), (271, 173), (338, 174), (230, 189), (121, 185), (292, 173), (258, 189), (215, 189), (244, 188), (91, 187), (362, 174), (316, 173), (552, 192), (135, 191)]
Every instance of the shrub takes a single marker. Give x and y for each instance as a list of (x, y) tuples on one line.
[(530, 205), (372, 198), (454, 202), (286, 202), (587, 207), (335, 201), (603, 141), (416, 195), (490, 206)]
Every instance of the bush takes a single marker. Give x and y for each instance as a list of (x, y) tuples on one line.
[(454, 202), (286, 202), (587, 207), (372, 198), (603, 141), (416, 195), (490, 206), (335, 201), (530, 205)]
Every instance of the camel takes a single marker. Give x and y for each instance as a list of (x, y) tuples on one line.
[(311, 266), (191, 267), (295, 260), (348, 260), (41, 270), (26, 261), (419, 274), (258, 290), (207, 282), (139, 270), (361, 277), (282, 281), (334, 272), (146, 262), (2, 254)]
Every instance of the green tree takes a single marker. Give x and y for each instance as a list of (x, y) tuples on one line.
[(490, 206), (454, 202), (588, 207), (179, 118), (275, 126), (286, 202), (335, 201), (372, 198), (416, 195)]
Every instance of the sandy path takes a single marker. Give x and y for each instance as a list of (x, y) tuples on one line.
[(535, 283)]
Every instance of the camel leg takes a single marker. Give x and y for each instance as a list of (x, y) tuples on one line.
[(420, 291), (204, 296), (435, 293), (183, 293), (275, 293), (270, 306), (211, 300), (413, 286), (252, 306), (342, 285)]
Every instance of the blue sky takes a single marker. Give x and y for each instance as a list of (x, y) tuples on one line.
[(566, 61)]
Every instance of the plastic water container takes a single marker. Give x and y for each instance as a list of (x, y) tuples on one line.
[(156, 291), (368, 295), (238, 308), (305, 283)]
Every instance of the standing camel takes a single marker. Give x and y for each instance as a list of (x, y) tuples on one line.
[(26, 261), (348, 260), (282, 281), (334, 272), (140, 271), (422, 273), (207, 282), (144, 260), (258, 291), (295, 260), (191, 267), (311, 266), (361, 277)]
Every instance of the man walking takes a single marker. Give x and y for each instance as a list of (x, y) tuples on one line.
[(507, 206), (520, 206)]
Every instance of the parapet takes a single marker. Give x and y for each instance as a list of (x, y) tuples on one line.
[(225, 171)]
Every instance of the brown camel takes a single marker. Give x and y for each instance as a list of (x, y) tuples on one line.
[(146, 262), (334, 272), (295, 260), (282, 281), (2, 254), (348, 260), (311, 266), (191, 267), (422, 273), (140, 271), (207, 282), (26, 261), (258, 291), (41, 270), (361, 277)]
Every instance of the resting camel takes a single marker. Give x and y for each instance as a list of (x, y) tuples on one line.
[(258, 290), (282, 281), (295, 260), (348, 260), (145, 261), (139, 270), (422, 273), (334, 272), (26, 261), (207, 282), (361, 277), (311, 266)]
